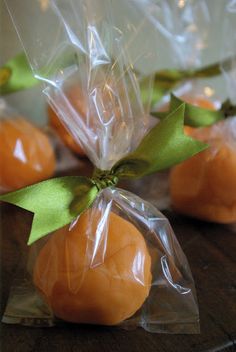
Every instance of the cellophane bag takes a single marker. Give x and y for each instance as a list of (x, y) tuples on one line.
[(212, 174), (193, 35), (119, 263), (27, 155), (198, 187)]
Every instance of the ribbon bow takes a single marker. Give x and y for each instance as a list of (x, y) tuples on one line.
[(58, 201)]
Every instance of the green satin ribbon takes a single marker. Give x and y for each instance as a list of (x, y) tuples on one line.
[(194, 116), (165, 145), (166, 80), (58, 201), (53, 202), (16, 75)]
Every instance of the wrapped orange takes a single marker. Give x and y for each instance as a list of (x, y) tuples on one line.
[(103, 255), (75, 95), (62, 132), (26, 155), (205, 185), (102, 284), (88, 109)]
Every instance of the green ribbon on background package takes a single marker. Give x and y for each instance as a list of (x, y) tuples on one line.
[(58, 201), (193, 116), (16, 75), (166, 80)]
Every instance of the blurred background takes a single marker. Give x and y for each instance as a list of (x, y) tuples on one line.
[(31, 103)]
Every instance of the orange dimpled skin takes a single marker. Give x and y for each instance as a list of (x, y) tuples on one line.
[(102, 286), (26, 155), (205, 185)]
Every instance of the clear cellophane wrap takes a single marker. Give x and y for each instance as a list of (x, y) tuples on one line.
[(119, 263)]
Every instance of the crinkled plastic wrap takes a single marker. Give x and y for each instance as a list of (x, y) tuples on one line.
[(119, 263), (205, 186), (196, 34), (26, 155)]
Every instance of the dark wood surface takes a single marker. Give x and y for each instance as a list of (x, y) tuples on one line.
[(211, 251)]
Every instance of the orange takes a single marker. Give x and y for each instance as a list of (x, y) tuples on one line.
[(62, 132), (77, 101), (205, 185), (96, 109), (199, 101), (26, 155), (89, 276)]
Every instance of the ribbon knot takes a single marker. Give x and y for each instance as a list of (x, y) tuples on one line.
[(57, 202), (103, 179)]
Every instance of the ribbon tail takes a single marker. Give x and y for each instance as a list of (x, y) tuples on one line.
[(54, 203)]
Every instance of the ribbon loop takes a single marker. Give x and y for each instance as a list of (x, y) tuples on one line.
[(57, 202)]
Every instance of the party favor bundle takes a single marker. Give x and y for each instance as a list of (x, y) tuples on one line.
[(205, 185), (198, 33), (99, 254)]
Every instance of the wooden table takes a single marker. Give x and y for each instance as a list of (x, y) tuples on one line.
[(211, 251)]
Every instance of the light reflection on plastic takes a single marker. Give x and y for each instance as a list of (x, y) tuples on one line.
[(97, 52), (209, 91), (165, 268), (100, 238), (181, 4), (137, 268), (73, 37), (44, 4), (200, 45), (163, 231), (192, 28), (19, 152), (38, 167)]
